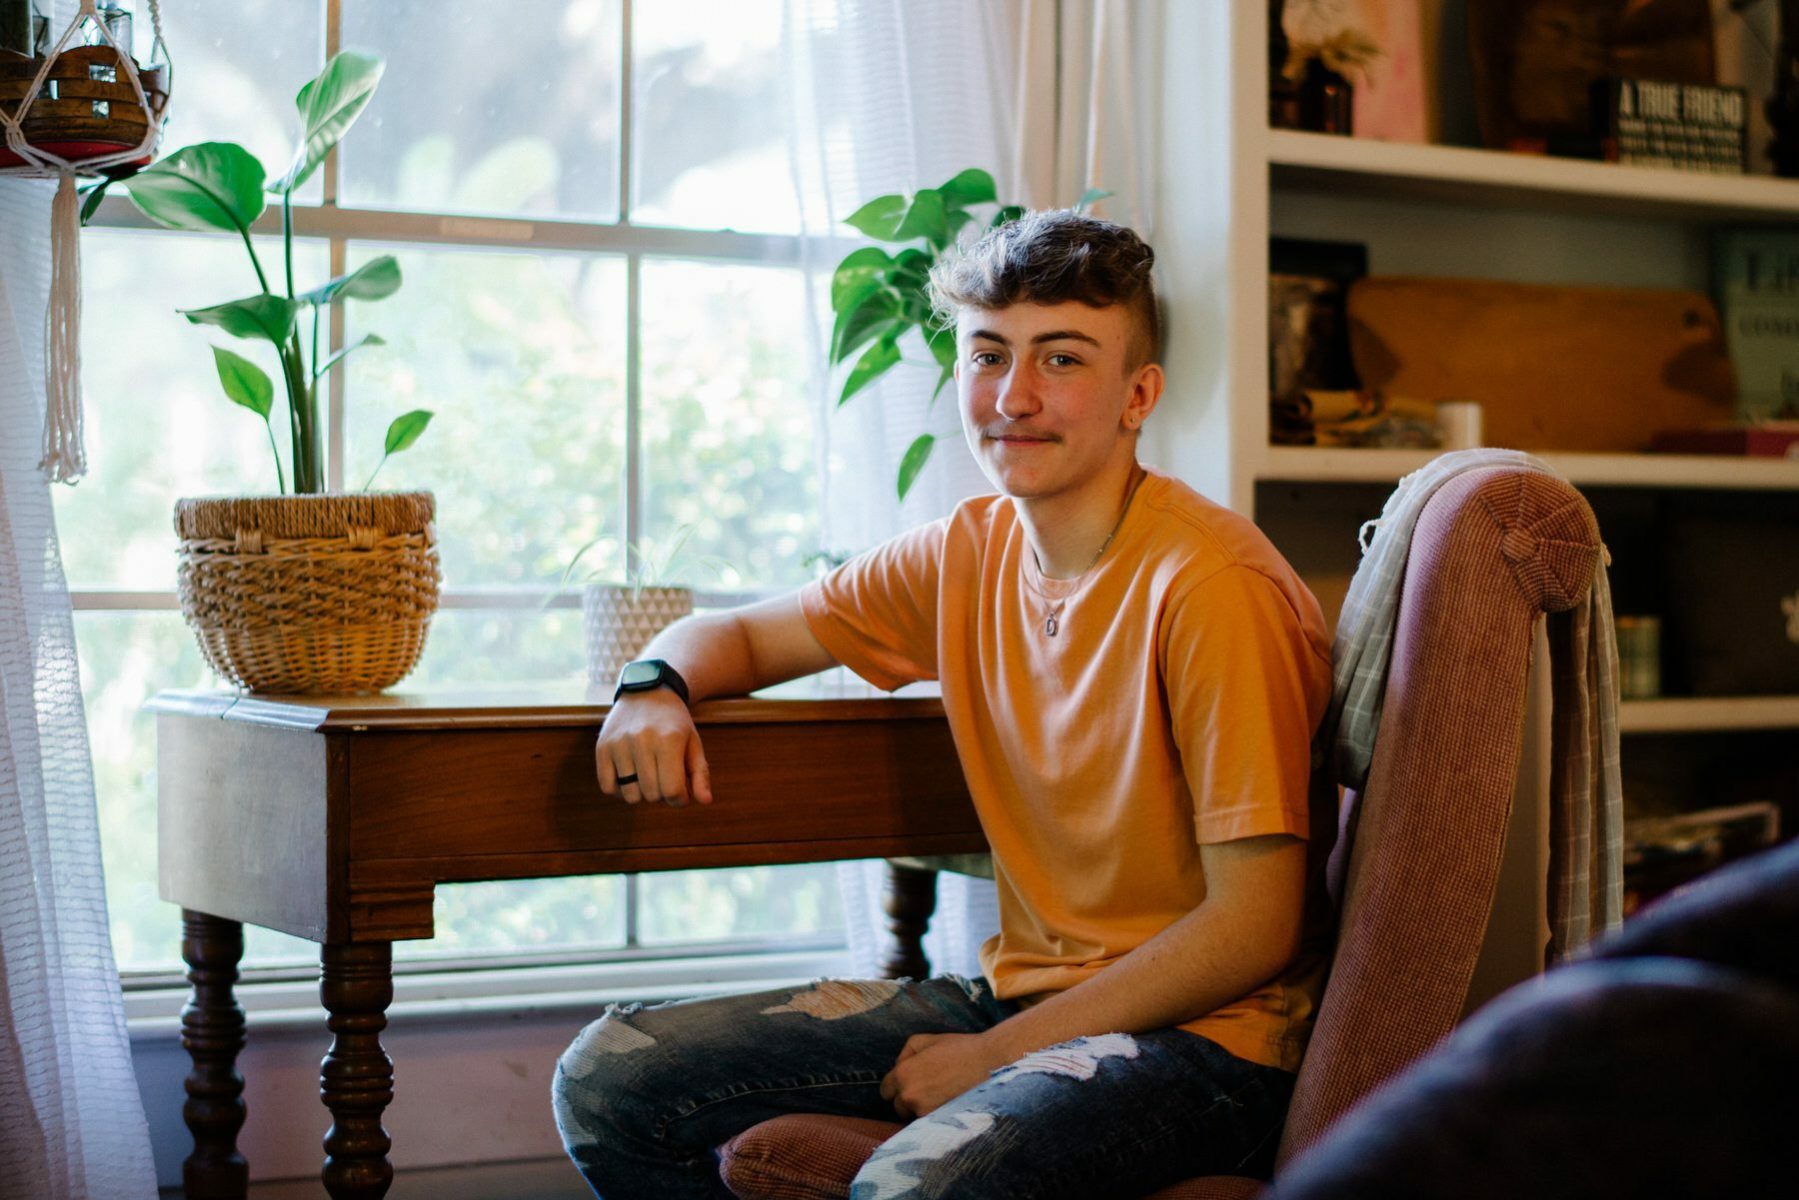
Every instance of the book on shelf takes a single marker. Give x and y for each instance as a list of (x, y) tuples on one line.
[(1686, 126), (1755, 276), (1761, 439)]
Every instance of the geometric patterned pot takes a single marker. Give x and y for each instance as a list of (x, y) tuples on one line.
[(620, 621)]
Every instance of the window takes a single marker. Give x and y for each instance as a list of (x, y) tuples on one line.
[(591, 205)]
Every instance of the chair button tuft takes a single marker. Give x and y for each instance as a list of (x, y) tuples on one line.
[(1519, 544)]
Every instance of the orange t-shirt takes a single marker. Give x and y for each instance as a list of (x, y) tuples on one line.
[(1174, 707)]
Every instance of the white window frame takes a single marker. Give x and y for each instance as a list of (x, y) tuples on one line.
[(493, 974)]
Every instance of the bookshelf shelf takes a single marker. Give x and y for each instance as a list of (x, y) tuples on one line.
[(1701, 715), (1307, 464), (1493, 179)]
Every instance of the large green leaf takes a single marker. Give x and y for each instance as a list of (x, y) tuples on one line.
[(917, 455), (862, 324), (899, 219), (213, 186), (880, 218), (406, 429), (911, 269), (942, 343), (262, 316), (245, 383), (857, 275), (973, 186), (874, 363), (376, 279), (926, 217), (329, 105)]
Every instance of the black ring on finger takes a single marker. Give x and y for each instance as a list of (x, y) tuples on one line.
[(624, 779)]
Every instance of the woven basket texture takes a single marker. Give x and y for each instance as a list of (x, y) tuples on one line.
[(620, 621), (323, 594)]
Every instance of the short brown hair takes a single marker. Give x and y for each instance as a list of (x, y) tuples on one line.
[(1049, 257)]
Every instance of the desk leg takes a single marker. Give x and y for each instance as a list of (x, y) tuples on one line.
[(356, 1080), (910, 901), (212, 1033)]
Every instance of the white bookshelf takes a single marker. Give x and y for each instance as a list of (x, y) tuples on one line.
[(1227, 183), (1489, 179), (1708, 714), (1309, 464)]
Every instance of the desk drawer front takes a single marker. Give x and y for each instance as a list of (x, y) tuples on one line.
[(533, 792)]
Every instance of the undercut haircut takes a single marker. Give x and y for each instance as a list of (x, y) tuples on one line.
[(1050, 257)]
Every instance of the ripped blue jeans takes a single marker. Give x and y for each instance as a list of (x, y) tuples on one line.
[(645, 1094)]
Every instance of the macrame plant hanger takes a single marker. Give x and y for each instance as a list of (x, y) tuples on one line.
[(85, 75)]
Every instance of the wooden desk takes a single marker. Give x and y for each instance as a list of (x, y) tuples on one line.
[(335, 818)]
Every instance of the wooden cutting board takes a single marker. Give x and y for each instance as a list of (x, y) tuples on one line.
[(1555, 368)]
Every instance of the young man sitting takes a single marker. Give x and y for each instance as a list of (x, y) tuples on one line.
[(1132, 675)]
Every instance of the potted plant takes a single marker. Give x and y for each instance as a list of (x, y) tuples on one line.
[(1323, 49), (308, 590), (619, 619), (879, 298)]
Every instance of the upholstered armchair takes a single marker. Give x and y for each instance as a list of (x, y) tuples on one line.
[(1417, 861), (1659, 1064)]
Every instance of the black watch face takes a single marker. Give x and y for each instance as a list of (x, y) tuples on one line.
[(640, 674)]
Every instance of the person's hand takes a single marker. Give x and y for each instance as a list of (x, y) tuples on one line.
[(935, 1068), (649, 750)]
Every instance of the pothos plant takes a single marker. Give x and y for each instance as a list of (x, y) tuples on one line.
[(879, 297), (221, 187)]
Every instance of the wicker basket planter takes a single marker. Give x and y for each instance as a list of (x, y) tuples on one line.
[(619, 622), (312, 593)]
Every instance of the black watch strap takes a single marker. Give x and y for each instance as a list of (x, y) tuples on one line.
[(648, 674)]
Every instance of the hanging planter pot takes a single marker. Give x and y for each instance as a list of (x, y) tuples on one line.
[(79, 106), (619, 622), (85, 107), (326, 593)]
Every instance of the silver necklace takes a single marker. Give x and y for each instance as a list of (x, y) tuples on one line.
[(1052, 622)]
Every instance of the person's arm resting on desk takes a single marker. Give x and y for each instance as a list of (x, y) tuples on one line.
[(651, 734), (1244, 932)]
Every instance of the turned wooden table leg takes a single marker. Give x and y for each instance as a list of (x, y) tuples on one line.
[(910, 901), (356, 1080), (212, 1033)]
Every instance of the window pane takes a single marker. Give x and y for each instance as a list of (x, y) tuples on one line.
[(698, 906), (521, 356), (238, 66), (727, 428), (520, 916), (472, 646), (488, 108), (708, 109), (158, 426)]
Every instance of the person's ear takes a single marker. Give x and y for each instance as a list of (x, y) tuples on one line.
[(1146, 393)]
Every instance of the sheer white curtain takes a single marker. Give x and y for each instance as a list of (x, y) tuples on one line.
[(72, 1123), (1051, 97)]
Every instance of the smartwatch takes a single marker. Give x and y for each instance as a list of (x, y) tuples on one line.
[(648, 674)]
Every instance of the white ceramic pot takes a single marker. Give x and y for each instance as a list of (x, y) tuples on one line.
[(620, 621)]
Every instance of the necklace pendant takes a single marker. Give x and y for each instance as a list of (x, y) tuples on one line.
[(1050, 626)]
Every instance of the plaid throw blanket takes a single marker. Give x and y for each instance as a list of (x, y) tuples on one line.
[(1586, 855)]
